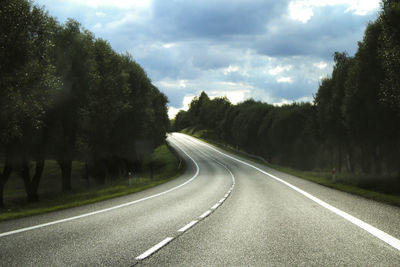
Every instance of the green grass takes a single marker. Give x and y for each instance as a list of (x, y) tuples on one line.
[(49, 190), (323, 178), (346, 182)]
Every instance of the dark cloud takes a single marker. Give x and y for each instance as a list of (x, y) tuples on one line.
[(330, 29), (225, 44), (213, 19)]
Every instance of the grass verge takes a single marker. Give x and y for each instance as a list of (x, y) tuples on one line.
[(322, 178), (165, 165)]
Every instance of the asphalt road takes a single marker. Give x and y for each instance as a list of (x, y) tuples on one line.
[(224, 210)]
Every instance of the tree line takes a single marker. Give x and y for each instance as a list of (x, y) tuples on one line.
[(353, 123), (67, 95)]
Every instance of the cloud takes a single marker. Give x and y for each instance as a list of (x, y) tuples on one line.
[(284, 80), (320, 65), (274, 51), (279, 69), (302, 10), (213, 19), (231, 68), (172, 112), (100, 14)]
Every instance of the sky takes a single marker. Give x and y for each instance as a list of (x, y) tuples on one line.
[(269, 50)]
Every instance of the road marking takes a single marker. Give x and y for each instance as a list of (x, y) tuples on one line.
[(388, 239), (187, 226), (205, 214), (215, 206), (107, 209), (154, 248)]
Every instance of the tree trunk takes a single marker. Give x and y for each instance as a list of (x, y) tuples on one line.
[(365, 160), (350, 162), (151, 170), (3, 180), (86, 175), (26, 177), (32, 185), (340, 159), (331, 158), (66, 167), (377, 161)]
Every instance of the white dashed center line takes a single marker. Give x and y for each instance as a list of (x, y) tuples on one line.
[(215, 206), (187, 226), (205, 214), (154, 248)]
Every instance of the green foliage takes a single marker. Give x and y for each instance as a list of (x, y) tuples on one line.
[(353, 125), (67, 95), (390, 52)]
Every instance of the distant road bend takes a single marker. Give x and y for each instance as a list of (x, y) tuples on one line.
[(225, 210)]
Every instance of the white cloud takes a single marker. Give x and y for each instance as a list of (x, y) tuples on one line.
[(279, 69), (168, 45), (284, 101), (320, 65), (230, 69), (302, 10), (234, 97), (284, 80), (100, 14), (186, 101), (172, 112), (299, 11), (362, 8), (168, 83)]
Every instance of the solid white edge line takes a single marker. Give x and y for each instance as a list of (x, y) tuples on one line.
[(187, 226), (388, 239), (222, 200), (215, 206), (205, 214), (107, 209), (154, 248), (226, 195)]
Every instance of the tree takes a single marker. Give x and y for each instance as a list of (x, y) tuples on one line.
[(74, 61), (365, 115), (390, 52), (27, 82), (329, 102), (246, 123)]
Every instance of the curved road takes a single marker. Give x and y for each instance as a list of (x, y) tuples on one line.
[(224, 210)]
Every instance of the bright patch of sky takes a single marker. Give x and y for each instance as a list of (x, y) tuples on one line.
[(284, 80), (273, 51), (302, 10), (279, 69)]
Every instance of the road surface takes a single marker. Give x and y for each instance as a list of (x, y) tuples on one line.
[(224, 211)]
